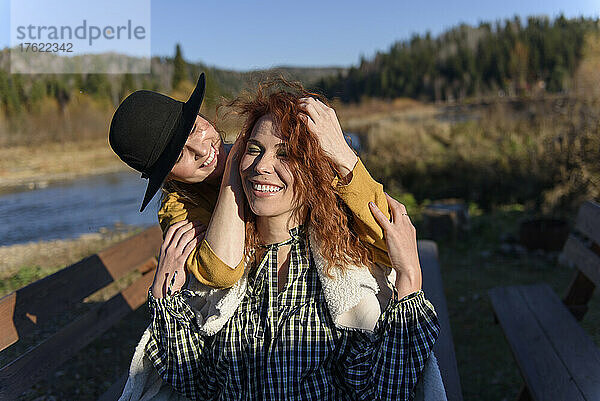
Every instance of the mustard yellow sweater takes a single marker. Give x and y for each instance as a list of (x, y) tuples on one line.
[(210, 270)]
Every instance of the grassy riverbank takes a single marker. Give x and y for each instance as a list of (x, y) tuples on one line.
[(540, 152), (40, 165)]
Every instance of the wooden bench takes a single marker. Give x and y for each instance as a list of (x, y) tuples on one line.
[(434, 292), (24, 311), (556, 357)]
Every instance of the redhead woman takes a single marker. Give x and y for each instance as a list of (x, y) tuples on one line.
[(179, 150), (312, 317)]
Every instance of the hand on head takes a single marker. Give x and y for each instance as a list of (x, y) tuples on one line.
[(322, 121)]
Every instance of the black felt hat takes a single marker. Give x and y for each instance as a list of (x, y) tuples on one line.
[(148, 132)]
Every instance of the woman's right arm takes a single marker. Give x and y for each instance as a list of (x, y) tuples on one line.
[(217, 261), (203, 263), (226, 232), (175, 346)]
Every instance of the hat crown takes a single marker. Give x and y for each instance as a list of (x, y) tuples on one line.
[(141, 128)]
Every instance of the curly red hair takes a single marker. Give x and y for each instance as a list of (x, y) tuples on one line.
[(313, 171)]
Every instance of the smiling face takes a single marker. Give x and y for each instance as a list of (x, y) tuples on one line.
[(202, 157), (266, 177)]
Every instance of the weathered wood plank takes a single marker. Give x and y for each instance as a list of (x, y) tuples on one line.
[(588, 220), (23, 310), (444, 346), (583, 257), (121, 258), (578, 295), (150, 264), (572, 344), (545, 374), (36, 303), (8, 332), (47, 356)]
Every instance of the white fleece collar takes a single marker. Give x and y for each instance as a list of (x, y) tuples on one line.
[(351, 296)]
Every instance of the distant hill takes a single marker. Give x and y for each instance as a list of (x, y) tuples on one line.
[(233, 82), (18, 91), (502, 58), (73, 107)]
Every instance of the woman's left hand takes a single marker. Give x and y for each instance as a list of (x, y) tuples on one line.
[(322, 121), (401, 240)]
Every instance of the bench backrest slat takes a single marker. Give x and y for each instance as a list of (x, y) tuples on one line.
[(586, 260), (588, 221), (40, 361), (24, 309), (585, 257), (8, 330)]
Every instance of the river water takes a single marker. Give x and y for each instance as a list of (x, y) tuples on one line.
[(67, 210), (70, 209)]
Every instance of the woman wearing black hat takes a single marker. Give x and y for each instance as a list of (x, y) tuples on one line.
[(176, 148), (312, 318)]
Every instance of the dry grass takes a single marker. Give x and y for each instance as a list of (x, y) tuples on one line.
[(587, 78), (50, 146), (542, 152), (374, 107), (82, 118), (34, 166)]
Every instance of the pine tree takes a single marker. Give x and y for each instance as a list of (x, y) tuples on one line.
[(37, 93), (179, 68)]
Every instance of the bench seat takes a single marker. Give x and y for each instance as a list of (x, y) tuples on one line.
[(557, 358)]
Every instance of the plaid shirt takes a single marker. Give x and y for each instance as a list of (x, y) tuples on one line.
[(285, 346)]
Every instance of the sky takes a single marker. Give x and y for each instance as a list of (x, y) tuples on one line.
[(245, 35)]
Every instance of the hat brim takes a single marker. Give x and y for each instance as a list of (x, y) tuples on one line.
[(168, 158)]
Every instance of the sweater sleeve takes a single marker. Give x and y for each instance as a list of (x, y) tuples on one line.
[(207, 267), (386, 365), (175, 347), (357, 194)]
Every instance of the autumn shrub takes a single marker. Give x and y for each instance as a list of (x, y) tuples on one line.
[(543, 153)]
